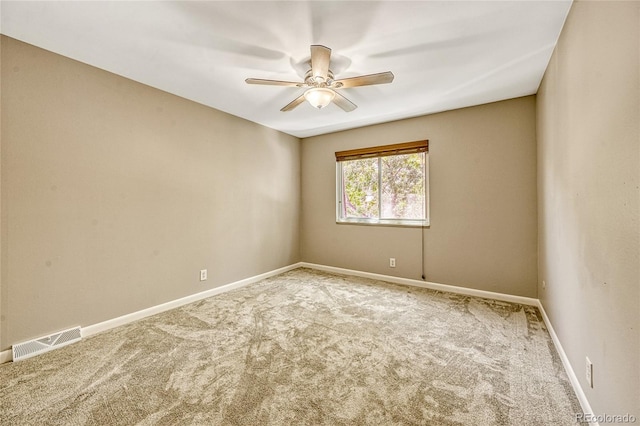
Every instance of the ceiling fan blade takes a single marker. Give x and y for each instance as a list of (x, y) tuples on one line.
[(273, 82), (365, 80), (320, 57), (291, 105), (344, 103)]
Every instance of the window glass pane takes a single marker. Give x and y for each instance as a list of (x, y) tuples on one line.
[(360, 188), (403, 186)]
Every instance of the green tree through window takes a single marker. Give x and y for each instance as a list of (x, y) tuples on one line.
[(403, 186), (360, 178)]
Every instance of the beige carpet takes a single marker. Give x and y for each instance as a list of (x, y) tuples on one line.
[(304, 348)]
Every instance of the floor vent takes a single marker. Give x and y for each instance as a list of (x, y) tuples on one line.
[(44, 344)]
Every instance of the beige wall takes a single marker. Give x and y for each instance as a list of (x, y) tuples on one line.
[(116, 194), (483, 201), (588, 187), (2, 317)]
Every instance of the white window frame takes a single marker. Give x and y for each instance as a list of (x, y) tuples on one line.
[(382, 221)]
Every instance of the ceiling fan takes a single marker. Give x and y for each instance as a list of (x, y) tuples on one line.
[(321, 83)]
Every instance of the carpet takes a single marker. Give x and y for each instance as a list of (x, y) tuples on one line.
[(304, 348)]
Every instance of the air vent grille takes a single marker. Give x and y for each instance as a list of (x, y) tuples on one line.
[(44, 344)]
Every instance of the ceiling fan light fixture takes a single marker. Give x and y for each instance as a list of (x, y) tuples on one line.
[(319, 97)]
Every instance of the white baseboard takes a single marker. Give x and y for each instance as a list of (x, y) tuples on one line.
[(125, 319), (582, 398), (6, 356), (425, 284)]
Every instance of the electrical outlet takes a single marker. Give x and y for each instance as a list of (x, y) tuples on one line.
[(392, 262), (203, 274), (544, 284), (589, 372)]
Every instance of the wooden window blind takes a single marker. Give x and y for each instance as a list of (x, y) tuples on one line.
[(383, 151)]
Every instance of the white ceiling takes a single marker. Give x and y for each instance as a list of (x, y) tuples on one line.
[(444, 54)]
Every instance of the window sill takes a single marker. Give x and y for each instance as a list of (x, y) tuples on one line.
[(385, 222)]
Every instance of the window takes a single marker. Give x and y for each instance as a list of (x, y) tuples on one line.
[(384, 185)]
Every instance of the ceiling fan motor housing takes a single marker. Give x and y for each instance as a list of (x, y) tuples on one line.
[(319, 81)]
